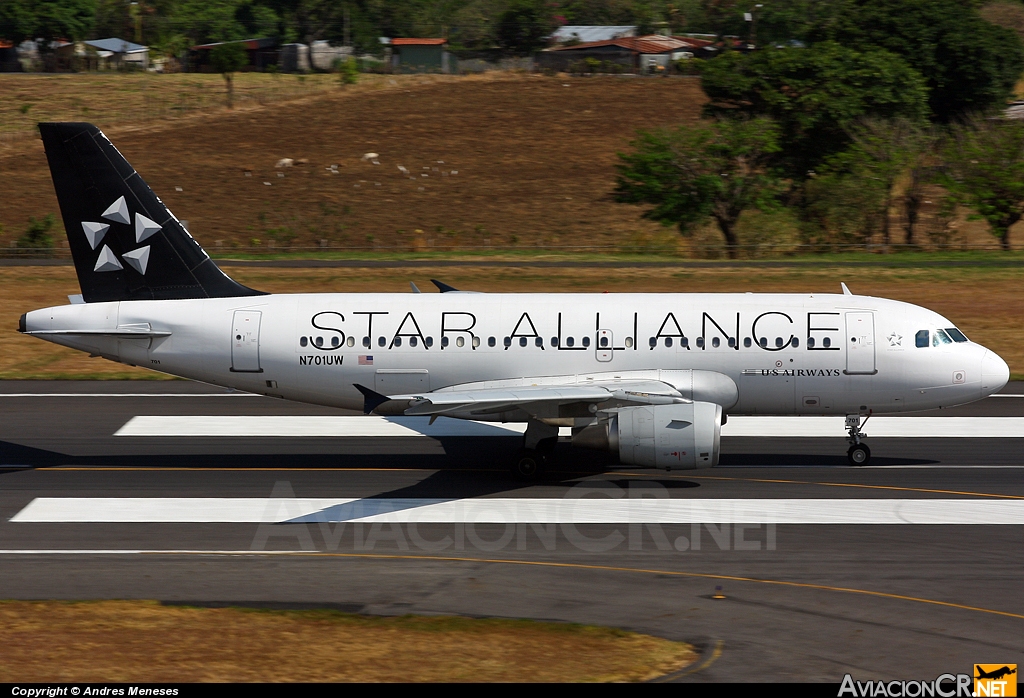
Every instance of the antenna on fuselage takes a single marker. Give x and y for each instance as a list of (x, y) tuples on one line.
[(846, 291), (415, 289)]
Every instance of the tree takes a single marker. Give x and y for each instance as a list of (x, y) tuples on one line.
[(524, 25), (984, 169), (227, 59), (47, 20), (968, 64), (815, 94), (708, 170), (894, 154)]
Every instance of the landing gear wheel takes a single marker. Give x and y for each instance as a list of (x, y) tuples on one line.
[(527, 465), (859, 454)]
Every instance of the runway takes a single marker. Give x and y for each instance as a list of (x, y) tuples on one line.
[(902, 570)]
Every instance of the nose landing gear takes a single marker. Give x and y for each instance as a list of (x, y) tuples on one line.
[(859, 453)]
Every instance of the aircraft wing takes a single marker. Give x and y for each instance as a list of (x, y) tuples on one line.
[(537, 401)]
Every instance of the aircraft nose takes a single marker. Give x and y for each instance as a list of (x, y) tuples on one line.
[(994, 373)]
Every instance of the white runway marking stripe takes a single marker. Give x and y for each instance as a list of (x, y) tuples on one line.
[(512, 510), (312, 426), (3, 395), (356, 426)]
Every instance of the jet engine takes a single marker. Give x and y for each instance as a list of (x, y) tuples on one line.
[(674, 437)]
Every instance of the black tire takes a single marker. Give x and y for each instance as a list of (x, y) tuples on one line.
[(527, 465), (859, 455)]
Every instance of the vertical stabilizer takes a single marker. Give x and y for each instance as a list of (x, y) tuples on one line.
[(125, 243)]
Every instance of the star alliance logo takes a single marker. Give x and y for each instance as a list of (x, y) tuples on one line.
[(117, 212), (895, 340)]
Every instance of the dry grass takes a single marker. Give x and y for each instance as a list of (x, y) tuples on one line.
[(986, 303), (534, 162), (140, 641)]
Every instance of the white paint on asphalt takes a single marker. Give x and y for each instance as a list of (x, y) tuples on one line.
[(594, 509), (374, 426)]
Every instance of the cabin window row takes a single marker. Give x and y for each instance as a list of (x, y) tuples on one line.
[(460, 341), (747, 342)]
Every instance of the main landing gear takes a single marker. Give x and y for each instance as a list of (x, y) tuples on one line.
[(859, 453), (539, 443)]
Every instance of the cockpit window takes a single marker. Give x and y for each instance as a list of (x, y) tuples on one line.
[(921, 338), (940, 337), (956, 334)]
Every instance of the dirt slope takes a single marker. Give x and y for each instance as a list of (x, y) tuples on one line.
[(514, 160)]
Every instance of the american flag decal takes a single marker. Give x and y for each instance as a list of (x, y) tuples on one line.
[(366, 361)]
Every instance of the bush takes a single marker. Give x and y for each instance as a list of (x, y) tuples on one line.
[(348, 70), (37, 235)]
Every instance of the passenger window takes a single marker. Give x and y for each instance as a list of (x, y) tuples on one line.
[(351, 341), (700, 342), (684, 342), (366, 342), (413, 341), (795, 342), (810, 342), (715, 342), (956, 334), (604, 342), (522, 341), (668, 341), (444, 341), (921, 338), (629, 342), (569, 341), (491, 341), (653, 342), (429, 341), (538, 342), (747, 342), (586, 341), (381, 341), (507, 342), (554, 341), (476, 342), (826, 342), (398, 341), (460, 341), (778, 342), (303, 341)]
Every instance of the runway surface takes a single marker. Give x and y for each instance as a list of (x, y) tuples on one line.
[(902, 570)]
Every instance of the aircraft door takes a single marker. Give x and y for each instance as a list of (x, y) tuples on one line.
[(605, 345), (860, 343), (245, 341)]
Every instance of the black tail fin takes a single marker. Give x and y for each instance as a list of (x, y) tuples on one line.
[(125, 243)]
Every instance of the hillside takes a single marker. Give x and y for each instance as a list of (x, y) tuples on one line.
[(505, 161)]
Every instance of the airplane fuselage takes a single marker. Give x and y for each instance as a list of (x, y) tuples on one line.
[(786, 353)]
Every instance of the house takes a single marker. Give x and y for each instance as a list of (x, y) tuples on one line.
[(421, 56), (582, 33), (632, 54), (262, 54), (9, 62), (120, 52)]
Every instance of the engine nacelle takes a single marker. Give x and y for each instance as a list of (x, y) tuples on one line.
[(675, 437)]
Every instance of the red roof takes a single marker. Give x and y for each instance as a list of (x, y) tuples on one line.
[(641, 44), (6, 44), (418, 42)]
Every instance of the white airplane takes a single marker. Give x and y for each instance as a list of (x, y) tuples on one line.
[(649, 376)]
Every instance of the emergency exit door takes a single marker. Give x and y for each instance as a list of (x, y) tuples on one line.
[(860, 343), (245, 342)]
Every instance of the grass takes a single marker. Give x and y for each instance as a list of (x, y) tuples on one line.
[(143, 641), (984, 301)]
